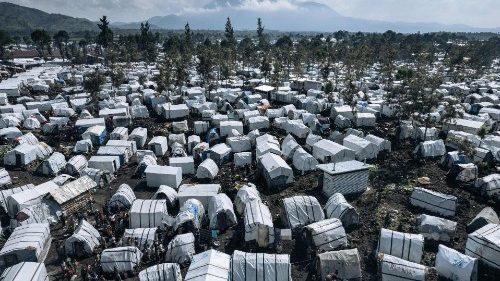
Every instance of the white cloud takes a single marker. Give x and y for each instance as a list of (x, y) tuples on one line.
[(267, 5)]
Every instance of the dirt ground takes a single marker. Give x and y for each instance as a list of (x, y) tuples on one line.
[(385, 204)]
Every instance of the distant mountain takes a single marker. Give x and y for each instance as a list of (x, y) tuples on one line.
[(131, 25), (19, 19), (295, 16)]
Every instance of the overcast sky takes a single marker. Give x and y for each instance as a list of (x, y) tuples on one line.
[(477, 13)]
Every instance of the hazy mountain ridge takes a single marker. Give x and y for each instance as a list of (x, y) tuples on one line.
[(19, 19), (299, 16)]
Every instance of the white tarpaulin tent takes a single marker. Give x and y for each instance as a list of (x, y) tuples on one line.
[(123, 197), (258, 223), (346, 263), (221, 212), (246, 193), (190, 215), (396, 269), (455, 266), (326, 235), (259, 266), (299, 211), (432, 148), (433, 201), (382, 144), (436, 228), (142, 238), (349, 177), (167, 193), (338, 207), (76, 165), (208, 169), (124, 259), (4, 194), (210, 265), (327, 151), (147, 213), (161, 272), (405, 246), (288, 147), (23, 271), (275, 170), (181, 249), (303, 161), (484, 244), (83, 241), (363, 148), (489, 185), (30, 242)]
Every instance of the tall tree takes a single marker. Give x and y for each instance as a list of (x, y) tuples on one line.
[(105, 36), (41, 39), (61, 38), (4, 41)]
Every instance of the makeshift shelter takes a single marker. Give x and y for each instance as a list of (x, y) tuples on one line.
[(123, 198), (456, 266), (299, 211), (28, 243), (486, 216), (76, 165), (139, 135), (21, 155), (436, 228), (101, 177), (365, 119), (326, 235), (83, 146), (181, 249), (210, 265), (382, 144), (185, 163), (349, 177), (289, 146), (122, 152), (338, 207), (208, 169), (159, 145), (83, 241), (96, 134), (405, 246), (327, 151), (119, 133), (221, 212), (303, 161), (165, 192), (161, 272), (484, 244), (157, 175), (124, 259), (4, 194), (260, 266), (146, 161), (346, 264), (22, 271), (108, 163), (432, 148), (201, 192), (31, 196), (433, 201), (190, 215), (489, 186), (220, 153), (246, 193), (363, 148), (394, 269), (53, 165), (147, 213), (258, 223), (275, 170), (142, 238), (242, 159), (73, 196)]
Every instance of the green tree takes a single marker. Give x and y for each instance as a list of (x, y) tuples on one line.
[(4, 41), (61, 38), (41, 39), (105, 36)]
